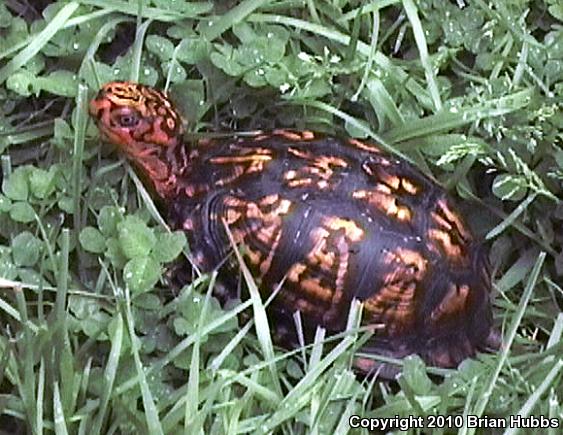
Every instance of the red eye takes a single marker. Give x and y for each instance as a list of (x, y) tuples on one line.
[(128, 120)]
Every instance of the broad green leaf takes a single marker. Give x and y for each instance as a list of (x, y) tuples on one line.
[(16, 187), (66, 204), (141, 273), (108, 219), (26, 249), (160, 46), (92, 240), (22, 83), (60, 82), (5, 17), (114, 253), (5, 203), (169, 246), (511, 187), (8, 269), (192, 50), (42, 182), (135, 237), (414, 373), (22, 212)]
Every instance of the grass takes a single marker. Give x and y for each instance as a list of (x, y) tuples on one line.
[(92, 339)]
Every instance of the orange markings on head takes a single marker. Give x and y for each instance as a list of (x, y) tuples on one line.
[(143, 124), (130, 113)]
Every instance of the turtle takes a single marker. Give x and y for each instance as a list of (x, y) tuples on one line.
[(326, 219)]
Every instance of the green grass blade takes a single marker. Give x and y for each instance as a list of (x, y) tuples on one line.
[(28, 387), (7, 308), (137, 50), (60, 423), (78, 155), (527, 408), (299, 395), (373, 49), (185, 344), (448, 119), (511, 217), (382, 102), (232, 17), (556, 332), (109, 375), (39, 411), (511, 334), (62, 282), (38, 42), (260, 316), (151, 413), (157, 14), (418, 31), (366, 9)]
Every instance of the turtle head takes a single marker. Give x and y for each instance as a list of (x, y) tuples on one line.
[(142, 123), (136, 117)]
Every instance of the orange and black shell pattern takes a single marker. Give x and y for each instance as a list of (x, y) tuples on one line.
[(331, 219)]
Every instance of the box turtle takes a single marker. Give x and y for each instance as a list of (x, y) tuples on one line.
[(334, 219)]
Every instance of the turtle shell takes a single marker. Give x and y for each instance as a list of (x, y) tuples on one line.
[(331, 219)]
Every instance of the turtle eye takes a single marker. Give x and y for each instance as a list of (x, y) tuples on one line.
[(128, 120)]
